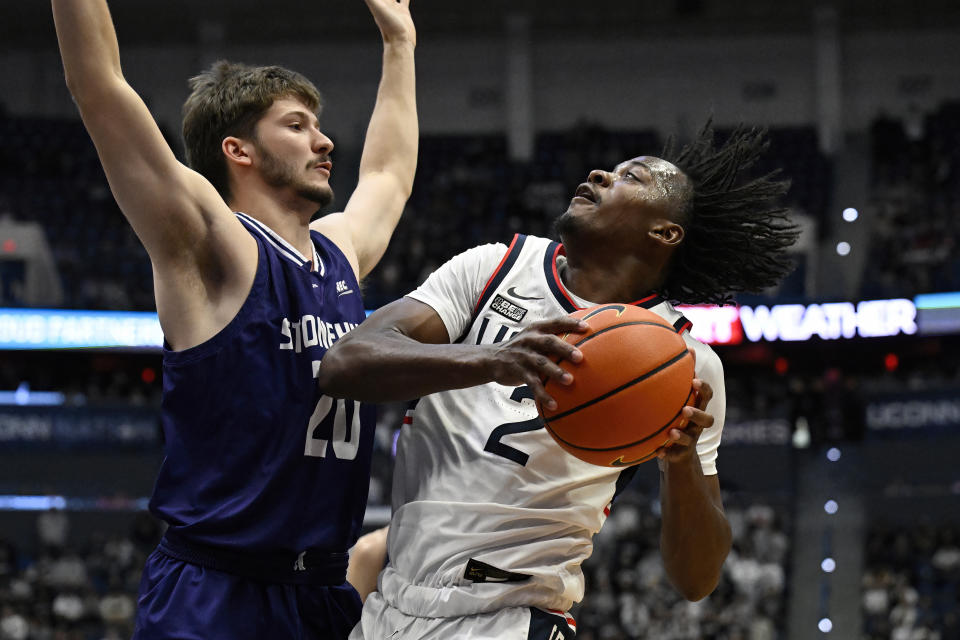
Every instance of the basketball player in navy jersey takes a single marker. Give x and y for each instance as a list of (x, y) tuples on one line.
[(265, 479), (491, 518)]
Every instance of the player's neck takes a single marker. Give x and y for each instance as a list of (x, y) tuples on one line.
[(291, 220), (609, 278)]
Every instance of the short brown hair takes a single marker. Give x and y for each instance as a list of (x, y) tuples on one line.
[(229, 99)]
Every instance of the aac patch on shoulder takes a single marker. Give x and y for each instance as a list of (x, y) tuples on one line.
[(508, 309)]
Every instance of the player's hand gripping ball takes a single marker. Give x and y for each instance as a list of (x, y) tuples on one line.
[(628, 392)]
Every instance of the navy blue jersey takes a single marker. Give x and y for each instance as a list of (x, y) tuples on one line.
[(256, 457)]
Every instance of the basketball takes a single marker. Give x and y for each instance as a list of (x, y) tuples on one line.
[(628, 391)]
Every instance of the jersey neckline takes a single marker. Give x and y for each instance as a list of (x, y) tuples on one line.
[(283, 247)]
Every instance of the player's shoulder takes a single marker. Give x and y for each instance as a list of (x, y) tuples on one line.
[(707, 358), (483, 257), (709, 365)]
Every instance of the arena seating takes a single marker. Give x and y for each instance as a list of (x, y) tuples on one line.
[(915, 205), (910, 582), (467, 192), (628, 595)]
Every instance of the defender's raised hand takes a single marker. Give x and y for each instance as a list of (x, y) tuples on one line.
[(393, 18)]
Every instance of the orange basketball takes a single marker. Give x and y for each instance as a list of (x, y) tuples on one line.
[(628, 391)]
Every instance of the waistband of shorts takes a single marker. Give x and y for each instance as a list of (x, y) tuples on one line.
[(312, 566)]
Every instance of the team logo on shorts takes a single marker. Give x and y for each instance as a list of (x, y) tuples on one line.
[(508, 309)]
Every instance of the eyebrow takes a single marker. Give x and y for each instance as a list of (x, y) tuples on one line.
[(637, 163)]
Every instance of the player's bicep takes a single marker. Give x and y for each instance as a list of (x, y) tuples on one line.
[(412, 318), (167, 204), (371, 215)]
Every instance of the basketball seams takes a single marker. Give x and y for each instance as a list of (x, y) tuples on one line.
[(622, 324), (649, 374), (628, 445)]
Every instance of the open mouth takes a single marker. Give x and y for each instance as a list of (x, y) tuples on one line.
[(586, 192)]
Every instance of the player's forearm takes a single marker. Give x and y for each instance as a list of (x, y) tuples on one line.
[(393, 134), (695, 536), (387, 366), (88, 45)]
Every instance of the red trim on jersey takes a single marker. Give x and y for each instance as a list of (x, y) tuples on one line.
[(606, 510), (686, 327), (647, 299), (408, 420), (493, 275), (566, 616), (560, 251)]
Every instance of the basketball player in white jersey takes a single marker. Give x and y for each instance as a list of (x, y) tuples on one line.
[(492, 520)]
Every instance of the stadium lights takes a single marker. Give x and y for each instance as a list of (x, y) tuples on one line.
[(833, 454), (825, 625), (828, 565), (850, 214), (831, 507), (843, 248)]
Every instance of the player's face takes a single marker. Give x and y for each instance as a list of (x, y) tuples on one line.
[(633, 196), (293, 153)]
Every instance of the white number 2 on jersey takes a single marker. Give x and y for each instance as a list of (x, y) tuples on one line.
[(328, 408)]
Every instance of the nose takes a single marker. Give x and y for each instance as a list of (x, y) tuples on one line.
[(321, 143), (599, 177)]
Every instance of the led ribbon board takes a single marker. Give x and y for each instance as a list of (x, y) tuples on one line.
[(801, 322), (928, 314), (65, 329)]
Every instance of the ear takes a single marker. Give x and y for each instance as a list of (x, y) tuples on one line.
[(237, 151), (667, 233)]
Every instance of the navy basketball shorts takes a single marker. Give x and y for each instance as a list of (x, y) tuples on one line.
[(184, 601)]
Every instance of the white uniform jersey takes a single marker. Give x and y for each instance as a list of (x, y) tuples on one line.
[(489, 512)]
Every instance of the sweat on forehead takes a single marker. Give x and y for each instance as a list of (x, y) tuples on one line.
[(670, 180)]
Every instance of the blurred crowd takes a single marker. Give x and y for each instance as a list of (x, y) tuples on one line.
[(915, 209), (64, 591), (629, 597), (911, 583), (467, 192)]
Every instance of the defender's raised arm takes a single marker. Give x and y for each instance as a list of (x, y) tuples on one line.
[(203, 260), (389, 159), (164, 201)]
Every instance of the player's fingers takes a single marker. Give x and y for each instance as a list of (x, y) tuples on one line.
[(698, 417), (661, 452), (540, 394), (546, 369), (560, 325), (681, 437), (553, 347), (552, 371), (704, 392)]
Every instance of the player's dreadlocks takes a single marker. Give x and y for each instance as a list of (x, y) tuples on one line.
[(736, 233)]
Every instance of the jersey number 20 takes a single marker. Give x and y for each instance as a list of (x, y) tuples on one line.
[(328, 425)]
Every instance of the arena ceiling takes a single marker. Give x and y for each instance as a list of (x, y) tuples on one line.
[(27, 23)]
